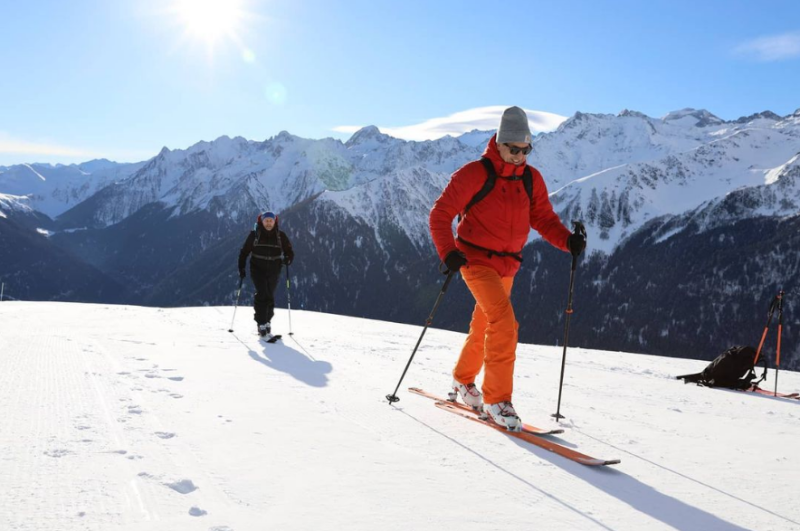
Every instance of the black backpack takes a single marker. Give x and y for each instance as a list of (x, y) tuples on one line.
[(734, 369), (488, 186), (491, 179)]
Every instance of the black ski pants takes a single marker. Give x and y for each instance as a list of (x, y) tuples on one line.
[(265, 275)]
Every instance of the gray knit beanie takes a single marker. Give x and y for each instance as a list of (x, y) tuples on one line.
[(514, 127)]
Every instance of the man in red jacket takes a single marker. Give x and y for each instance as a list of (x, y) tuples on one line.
[(487, 251)]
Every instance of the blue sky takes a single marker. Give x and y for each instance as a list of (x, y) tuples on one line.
[(120, 79)]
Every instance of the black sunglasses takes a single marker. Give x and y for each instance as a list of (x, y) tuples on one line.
[(517, 150)]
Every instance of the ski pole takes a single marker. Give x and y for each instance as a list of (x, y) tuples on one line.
[(238, 292), (780, 328), (579, 229), (289, 299), (772, 307), (393, 397)]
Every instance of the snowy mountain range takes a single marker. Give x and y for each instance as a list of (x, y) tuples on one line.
[(676, 187)]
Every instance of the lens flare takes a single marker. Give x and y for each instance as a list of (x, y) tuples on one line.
[(276, 93), (210, 20)]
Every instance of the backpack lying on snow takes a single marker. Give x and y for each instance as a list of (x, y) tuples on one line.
[(734, 368)]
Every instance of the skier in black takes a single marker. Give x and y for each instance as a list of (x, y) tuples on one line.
[(270, 249)]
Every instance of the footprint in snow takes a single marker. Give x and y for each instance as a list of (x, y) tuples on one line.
[(58, 452), (197, 511), (175, 378), (184, 486), (164, 434)]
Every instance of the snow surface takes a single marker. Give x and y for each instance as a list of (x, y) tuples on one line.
[(11, 203), (119, 417)]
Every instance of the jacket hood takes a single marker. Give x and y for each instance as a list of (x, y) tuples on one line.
[(503, 168)]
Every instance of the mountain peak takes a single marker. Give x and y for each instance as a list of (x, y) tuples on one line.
[(633, 114), (768, 115), (366, 134), (284, 136), (701, 117)]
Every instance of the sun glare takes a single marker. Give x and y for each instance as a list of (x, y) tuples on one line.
[(210, 20)]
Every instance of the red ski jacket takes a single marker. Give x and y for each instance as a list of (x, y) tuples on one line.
[(499, 222)]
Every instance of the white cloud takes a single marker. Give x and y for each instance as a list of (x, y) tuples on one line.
[(14, 150), (772, 48), (481, 118), (15, 146)]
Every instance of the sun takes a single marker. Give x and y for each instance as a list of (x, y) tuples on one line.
[(210, 20)]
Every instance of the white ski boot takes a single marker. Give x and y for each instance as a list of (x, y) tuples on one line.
[(469, 395), (503, 413)]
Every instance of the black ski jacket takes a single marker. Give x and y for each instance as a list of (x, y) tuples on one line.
[(266, 247)]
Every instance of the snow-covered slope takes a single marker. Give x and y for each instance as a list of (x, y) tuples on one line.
[(53, 189), (617, 200), (13, 203), (137, 418), (17, 209)]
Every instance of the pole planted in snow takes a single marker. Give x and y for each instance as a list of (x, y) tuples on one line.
[(579, 229), (780, 329), (289, 300), (393, 397), (238, 292)]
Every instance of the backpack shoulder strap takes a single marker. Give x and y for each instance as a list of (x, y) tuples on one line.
[(527, 182), (491, 179), (488, 185)]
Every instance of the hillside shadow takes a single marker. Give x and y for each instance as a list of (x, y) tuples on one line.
[(627, 489), (283, 358)]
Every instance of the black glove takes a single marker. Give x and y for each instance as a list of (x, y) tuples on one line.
[(242, 273), (287, 260), (576, 243), (454, 260)]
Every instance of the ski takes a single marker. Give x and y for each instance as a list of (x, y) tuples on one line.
[(754, 389), (271, 339), (563, 451), (527, 428)]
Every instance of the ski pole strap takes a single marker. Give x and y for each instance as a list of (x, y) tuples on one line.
[(490, 252), (763, 374)]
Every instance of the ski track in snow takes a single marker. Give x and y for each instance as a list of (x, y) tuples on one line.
[(85, 405), (173, 423)]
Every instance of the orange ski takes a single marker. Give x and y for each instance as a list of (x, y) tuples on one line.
[(563, 451), (527, 428)]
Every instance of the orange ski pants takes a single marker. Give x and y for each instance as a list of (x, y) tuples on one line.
[(492, 338)]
